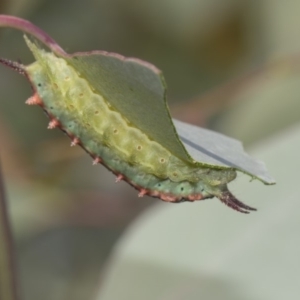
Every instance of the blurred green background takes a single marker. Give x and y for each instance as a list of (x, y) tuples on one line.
[(68, 215)]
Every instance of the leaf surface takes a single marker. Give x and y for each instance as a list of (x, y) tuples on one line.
[(134, 88), (215, 149)]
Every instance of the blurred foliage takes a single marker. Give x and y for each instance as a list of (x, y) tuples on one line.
[(8, 285), (203, 251), (59, 203)]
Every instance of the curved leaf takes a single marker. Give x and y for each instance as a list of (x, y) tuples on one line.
[(134, 88)]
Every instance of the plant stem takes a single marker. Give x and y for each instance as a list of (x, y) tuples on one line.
[(26, 26), (8, 285)]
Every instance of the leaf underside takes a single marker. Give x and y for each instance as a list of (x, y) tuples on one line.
[(217, 150)]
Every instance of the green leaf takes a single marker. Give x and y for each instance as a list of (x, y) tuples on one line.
[(134, 88)]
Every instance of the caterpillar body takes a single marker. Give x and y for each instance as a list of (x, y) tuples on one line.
[(92, 122)]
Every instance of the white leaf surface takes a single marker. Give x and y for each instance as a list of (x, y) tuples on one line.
[(212, 148)]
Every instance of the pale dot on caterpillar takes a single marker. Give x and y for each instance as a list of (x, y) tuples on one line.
[(53, 124), (75, 142), (194, 197), (154, 193), (96, 161), (119, 178), (168, 197), (142, 193)]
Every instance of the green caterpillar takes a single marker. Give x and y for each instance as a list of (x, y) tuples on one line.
[(90, 120), (142, 147)]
